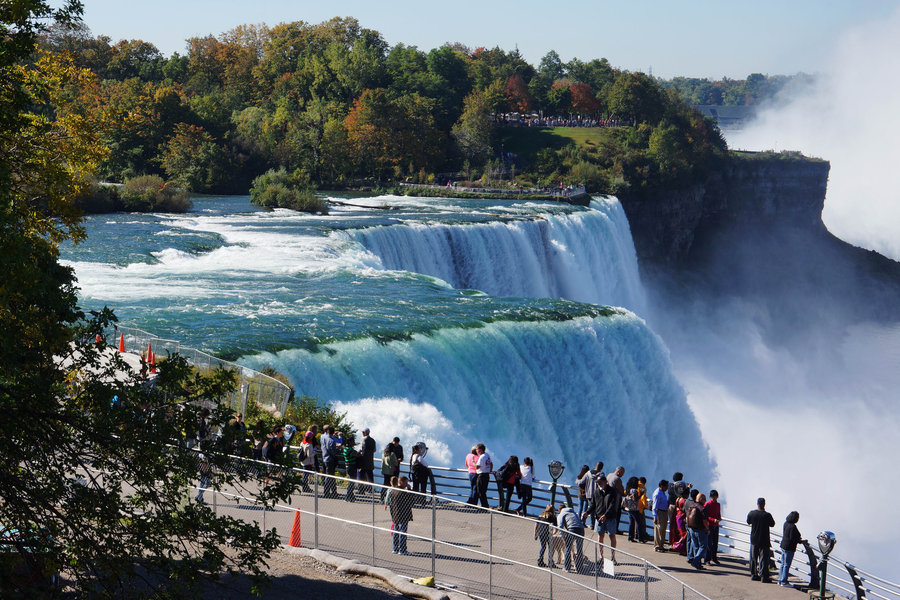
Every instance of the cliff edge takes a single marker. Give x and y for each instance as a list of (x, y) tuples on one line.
[(754, 229)]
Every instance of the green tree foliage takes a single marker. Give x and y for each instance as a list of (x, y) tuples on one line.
[(69, 406), (280, 189), (193, 160), (636, 98), (474, 129), (149, 193)]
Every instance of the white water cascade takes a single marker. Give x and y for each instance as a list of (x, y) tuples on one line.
[(579, 390), (584, 256)]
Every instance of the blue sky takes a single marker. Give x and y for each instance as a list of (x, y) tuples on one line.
[(703, 38)]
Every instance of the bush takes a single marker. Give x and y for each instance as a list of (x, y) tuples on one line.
[(280, 189), (100, 199), (150, 193)]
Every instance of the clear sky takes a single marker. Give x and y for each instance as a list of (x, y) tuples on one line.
[(699, 38)]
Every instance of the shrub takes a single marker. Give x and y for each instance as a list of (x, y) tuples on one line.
[(280, 189), (150, 193)]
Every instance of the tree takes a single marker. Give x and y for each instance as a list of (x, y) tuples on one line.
[(518, 95), (473, 131), (583, 99), (636, 97), (193, 160), (65, 408)]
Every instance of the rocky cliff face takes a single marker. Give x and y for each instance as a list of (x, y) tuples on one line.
[(667, 226), (754, 231)]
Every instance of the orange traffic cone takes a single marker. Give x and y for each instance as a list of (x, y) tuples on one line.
[(98, 339), (295, 531), (121, 342), (152, 358)]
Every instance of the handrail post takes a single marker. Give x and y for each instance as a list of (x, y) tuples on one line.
[(316, 511), (646, 580), (433, 533), (596, 572), (373, 525), (491, 555)]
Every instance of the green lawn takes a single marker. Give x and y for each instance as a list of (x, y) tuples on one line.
[(526, 141)]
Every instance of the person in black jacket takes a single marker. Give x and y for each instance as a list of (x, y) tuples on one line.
[(789, 542), (760, 544), (605, 507)]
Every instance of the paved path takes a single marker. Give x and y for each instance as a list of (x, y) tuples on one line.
[(464, 566)]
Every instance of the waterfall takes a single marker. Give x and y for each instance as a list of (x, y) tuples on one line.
[(587, 256), (580, 390)]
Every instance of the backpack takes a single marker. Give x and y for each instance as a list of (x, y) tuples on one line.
[(301, 453)]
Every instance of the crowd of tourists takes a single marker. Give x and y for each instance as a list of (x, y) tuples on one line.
[(685, 520), (534, 120)]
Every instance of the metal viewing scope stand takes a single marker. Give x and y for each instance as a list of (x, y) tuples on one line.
[(827, 540)]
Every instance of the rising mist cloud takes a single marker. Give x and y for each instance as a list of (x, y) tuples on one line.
[(849, 117)]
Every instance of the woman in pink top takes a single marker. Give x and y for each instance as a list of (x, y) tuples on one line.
[(471, 461)]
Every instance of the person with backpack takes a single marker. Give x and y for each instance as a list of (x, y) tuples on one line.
[(351, 462), (306, 456), (542, 534), (389, 465), (698, 526), (526, 480), (508, 477)]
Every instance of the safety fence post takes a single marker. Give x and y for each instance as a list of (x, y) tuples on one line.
[(316, 512), (646, 580), (491, 555), (433, 533)]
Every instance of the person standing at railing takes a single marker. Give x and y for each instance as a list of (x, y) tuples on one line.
[(760, 521), (274, 450), (677, 489), (389, 464), (789, 542), (569, 522), (367, 462), (698, 525), (484, 467), (307, 457), (397, 449), (401, 502), (329, 460), (542, 534), (351, 462), (471, 462), (526, 479), (714, 513), (605, 507), (642, 506), (660, 516), (420, 470), (615, 482), (509, 480), (582, 481)]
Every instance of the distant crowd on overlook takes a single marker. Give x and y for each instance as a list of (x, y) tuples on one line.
[(535, 120)]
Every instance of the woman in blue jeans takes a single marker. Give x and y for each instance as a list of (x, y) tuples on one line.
[(789, 542)]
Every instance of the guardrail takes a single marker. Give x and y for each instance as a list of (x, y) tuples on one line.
[(482, 552), (266, 391), (734, 536)]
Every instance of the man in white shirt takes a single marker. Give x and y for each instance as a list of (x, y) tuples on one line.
[(483, 468)]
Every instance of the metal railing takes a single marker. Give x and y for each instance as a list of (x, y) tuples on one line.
[(734, 536), (266, 391), (481, 552)]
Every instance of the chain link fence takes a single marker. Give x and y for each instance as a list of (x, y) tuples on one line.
[(266, 391)]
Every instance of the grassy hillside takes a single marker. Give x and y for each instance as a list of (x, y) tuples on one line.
[(527, 141)]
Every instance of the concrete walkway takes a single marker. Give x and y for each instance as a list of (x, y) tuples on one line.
[(464, 540)]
